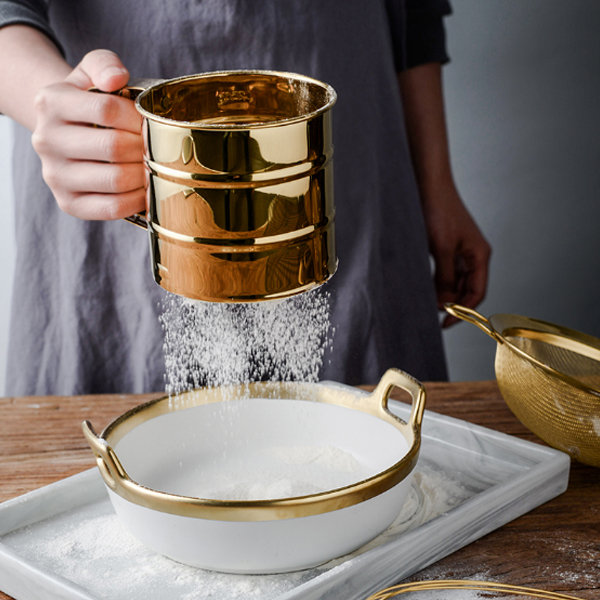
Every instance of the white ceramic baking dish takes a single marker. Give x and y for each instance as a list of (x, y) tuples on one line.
[(263, 478)]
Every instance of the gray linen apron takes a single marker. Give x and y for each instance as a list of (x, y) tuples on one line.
[(85, 307)]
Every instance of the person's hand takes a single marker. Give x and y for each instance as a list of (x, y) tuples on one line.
[(90, 143), (460, 252)]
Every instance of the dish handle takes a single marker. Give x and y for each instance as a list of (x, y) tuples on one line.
[(110, 466), (396, 378)]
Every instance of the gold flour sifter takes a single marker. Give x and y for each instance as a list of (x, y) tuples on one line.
[(549, 377), (239, 183)]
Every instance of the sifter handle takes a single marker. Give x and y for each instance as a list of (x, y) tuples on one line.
[(138, 219), (131, 92)]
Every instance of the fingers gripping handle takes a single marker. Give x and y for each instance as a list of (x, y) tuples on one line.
[(395, 378), (131, 92)]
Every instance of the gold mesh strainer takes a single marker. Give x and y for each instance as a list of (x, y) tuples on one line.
[(549, 376), (498, 589)]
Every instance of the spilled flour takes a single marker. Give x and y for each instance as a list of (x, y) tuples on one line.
[(212, 344), (90, 548)]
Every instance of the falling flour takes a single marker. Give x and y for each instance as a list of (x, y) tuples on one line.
[(212, 344)]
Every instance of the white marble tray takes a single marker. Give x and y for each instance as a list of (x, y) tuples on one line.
[(63, 541)]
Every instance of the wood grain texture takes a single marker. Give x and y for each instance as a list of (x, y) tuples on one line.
[(554, 547)]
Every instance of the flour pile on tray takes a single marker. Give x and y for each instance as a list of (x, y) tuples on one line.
[(90, 548), (212, 344)]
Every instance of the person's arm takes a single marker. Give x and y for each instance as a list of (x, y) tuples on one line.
[(460, 252), (93, 172), (29, 60)]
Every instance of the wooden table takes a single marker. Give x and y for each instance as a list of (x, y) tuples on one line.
[(555, 547)]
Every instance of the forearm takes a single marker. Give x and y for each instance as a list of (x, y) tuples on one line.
[(460, 252), (422, 97), (29, 60)]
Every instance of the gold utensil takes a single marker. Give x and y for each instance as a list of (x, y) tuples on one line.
[(464, 584), (239, 183), (549, 377)]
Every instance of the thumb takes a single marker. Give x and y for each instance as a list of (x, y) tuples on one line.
[(101, 69)]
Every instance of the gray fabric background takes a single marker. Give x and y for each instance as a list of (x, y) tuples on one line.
[(85, 311)]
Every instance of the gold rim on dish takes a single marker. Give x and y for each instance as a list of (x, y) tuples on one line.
[(376, 404)]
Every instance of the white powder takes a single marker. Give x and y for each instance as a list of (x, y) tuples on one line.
[(91, 548), (281, 472), (212, 344), (432, 493)]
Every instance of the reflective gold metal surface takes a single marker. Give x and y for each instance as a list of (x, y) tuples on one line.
[(116, 477), (239, 184), (549, 377), (496, 589)]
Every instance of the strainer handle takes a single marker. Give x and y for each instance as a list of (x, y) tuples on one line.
[(396, 378), (110, 466), (473, 317)]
